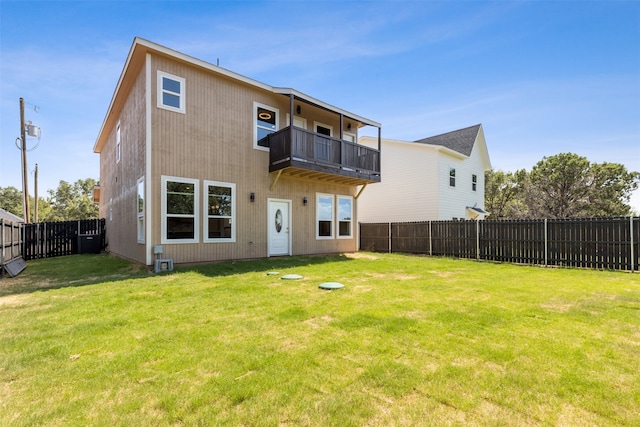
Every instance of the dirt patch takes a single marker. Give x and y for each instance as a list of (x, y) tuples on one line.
[(358, 255), (318, 322), (11, 300), (444, 274)]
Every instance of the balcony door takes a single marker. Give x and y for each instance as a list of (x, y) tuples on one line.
[(279, 227)]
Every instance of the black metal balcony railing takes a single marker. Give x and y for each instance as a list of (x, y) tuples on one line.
[(300, 148)]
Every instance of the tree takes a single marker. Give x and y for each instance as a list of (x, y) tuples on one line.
[(611, 189), (73, 201), (558, 187), (11, 200), (503, 191), (562, 186)]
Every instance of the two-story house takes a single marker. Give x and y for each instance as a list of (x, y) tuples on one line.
[(204, 164), (435, 178)]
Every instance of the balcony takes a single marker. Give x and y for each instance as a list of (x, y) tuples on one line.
[(300, 153)]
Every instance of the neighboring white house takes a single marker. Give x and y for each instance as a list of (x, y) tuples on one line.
[(435, 178)]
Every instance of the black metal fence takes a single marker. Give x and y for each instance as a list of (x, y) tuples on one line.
[(600, 243), (52, 239)]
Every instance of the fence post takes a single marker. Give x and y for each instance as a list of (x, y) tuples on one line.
[(2, 254), (430, 240), (477, 239), (546, 243), (633, 260), (390, 238)]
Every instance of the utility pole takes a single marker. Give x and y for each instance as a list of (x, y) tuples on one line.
[(35, 197), (25, 182)]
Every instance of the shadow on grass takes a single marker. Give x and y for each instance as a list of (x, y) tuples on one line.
[(84, 270), (70, 271), (280, 264)]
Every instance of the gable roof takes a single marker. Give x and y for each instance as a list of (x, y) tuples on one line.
[(8, 216), (461, 140)]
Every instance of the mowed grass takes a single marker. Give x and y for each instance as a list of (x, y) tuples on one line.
[(409, 341)]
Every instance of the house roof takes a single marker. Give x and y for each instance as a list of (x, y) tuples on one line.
[(135, 62), (461, 140), (8, 216)]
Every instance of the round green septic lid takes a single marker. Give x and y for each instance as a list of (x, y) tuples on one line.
[(291, 277), (331, 285), (272, 273)]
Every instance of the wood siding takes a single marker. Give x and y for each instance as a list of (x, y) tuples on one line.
[(208, 139), (118, 180), (213, 141)]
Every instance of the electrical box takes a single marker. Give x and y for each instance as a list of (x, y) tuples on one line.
[(33, 130)]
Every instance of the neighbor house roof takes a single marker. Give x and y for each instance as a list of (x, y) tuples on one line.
[(8, 216), (461, 140)]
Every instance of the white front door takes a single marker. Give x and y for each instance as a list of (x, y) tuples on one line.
[(279, 230)]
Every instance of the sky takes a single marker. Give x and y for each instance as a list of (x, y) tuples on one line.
[(542, 77)]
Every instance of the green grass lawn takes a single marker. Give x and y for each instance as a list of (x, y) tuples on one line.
[(409, 341)]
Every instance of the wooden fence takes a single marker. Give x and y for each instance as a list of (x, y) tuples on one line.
[(600, 243), (11, 240), (52, 239)]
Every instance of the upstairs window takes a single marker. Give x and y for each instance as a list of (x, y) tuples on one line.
[(118, 136), (171, 92), (452, 177), (474, 182), (265, 121)]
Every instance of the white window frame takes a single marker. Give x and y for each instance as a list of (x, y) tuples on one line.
[(474, 182), (196, 210), (318, 219), (316, 124), (206, 216), (349, 137), (140, 220), (452, 178), (339, 220), (118, 141), (254, 120), (302, 119), (181, 95)]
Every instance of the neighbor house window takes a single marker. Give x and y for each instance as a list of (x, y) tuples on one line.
[(452, 177), (220, 210), (345, 216), (171, 92), (179, 207), (474, 182), (140, 209), (118, 136), (265, 122), (324, 215)]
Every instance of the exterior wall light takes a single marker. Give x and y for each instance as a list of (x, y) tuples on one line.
[(252, 197), (305, 201)]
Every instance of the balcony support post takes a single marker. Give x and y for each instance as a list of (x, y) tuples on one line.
[(291, 102), (275, 181), (379, 149), (341, 139), (361, 190)]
